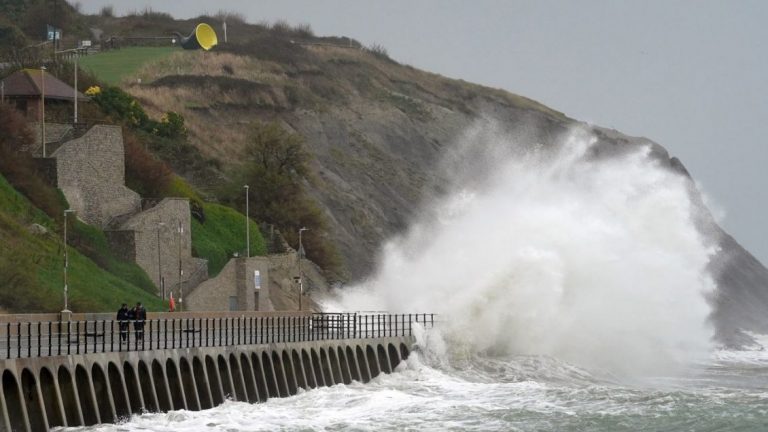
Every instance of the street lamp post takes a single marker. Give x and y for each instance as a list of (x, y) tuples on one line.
[(75, 116), (247, 224), (42, 106), (66, 263), (159, 262), (179, 231), (301, 275)]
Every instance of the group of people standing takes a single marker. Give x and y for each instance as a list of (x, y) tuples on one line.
[(138, 315)]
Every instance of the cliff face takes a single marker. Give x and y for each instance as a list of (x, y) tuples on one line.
[(377, 132)]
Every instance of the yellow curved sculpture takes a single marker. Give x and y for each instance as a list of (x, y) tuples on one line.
[(202, 37)]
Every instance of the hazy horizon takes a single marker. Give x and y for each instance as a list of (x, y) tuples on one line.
[(689, 75)]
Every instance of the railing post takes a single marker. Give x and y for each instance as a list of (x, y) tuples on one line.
[(77, 338), (59, 337), (410, 325), (69, 332), (29, 339), (85, 333)]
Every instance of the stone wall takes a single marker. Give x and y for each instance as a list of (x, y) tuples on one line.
[(236, 281), (91, 174), (161, 238), (279, 289), (284, 271), (54, 133)]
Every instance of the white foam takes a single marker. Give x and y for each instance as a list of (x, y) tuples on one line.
[(551, 252)]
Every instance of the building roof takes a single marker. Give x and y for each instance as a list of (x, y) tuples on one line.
[(28, 83)]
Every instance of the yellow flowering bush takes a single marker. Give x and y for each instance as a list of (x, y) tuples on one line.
[(93, 91)]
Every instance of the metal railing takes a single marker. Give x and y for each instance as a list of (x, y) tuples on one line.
[(54, 338)]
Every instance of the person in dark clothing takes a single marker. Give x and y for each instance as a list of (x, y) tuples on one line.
[(122, 319), (139, 314)]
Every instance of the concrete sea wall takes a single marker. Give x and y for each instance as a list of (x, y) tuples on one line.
[(45, 392), (86, 369)]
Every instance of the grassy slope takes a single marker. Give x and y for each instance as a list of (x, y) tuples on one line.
[(222, 235), (113, 66), (223, 232), (38, 260)]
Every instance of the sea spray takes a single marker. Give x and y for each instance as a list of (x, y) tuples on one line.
[(551, 250)]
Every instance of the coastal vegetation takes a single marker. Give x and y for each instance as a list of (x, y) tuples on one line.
[(329, 135)]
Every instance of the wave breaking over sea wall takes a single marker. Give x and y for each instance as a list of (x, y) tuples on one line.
[(551, 250)]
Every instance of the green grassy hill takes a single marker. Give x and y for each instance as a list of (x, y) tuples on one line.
[(222, 235), (31, 265), (112, 66)]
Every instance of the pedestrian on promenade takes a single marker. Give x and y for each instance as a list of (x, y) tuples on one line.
[(122, 319), (140, 315)]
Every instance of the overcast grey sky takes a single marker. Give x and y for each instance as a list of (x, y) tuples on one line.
[(690, 75)]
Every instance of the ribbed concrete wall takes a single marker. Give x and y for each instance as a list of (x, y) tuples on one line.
[(41, 393)]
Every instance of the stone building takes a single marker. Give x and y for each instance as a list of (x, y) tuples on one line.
[(89, 168), (236, 287), (159, 240), (25, 90), (90, 171), (242, 285)]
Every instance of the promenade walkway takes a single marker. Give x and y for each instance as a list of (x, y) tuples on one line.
[(55, 338)]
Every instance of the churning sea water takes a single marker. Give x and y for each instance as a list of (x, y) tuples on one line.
[(572, 292), (511, 393)]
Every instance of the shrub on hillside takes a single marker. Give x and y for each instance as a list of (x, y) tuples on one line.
[(121, 106), (19, 167), (107, 11), (171, 125), (379, 51), (12, 40), (144, 173), (271, 47), (275, 166)]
